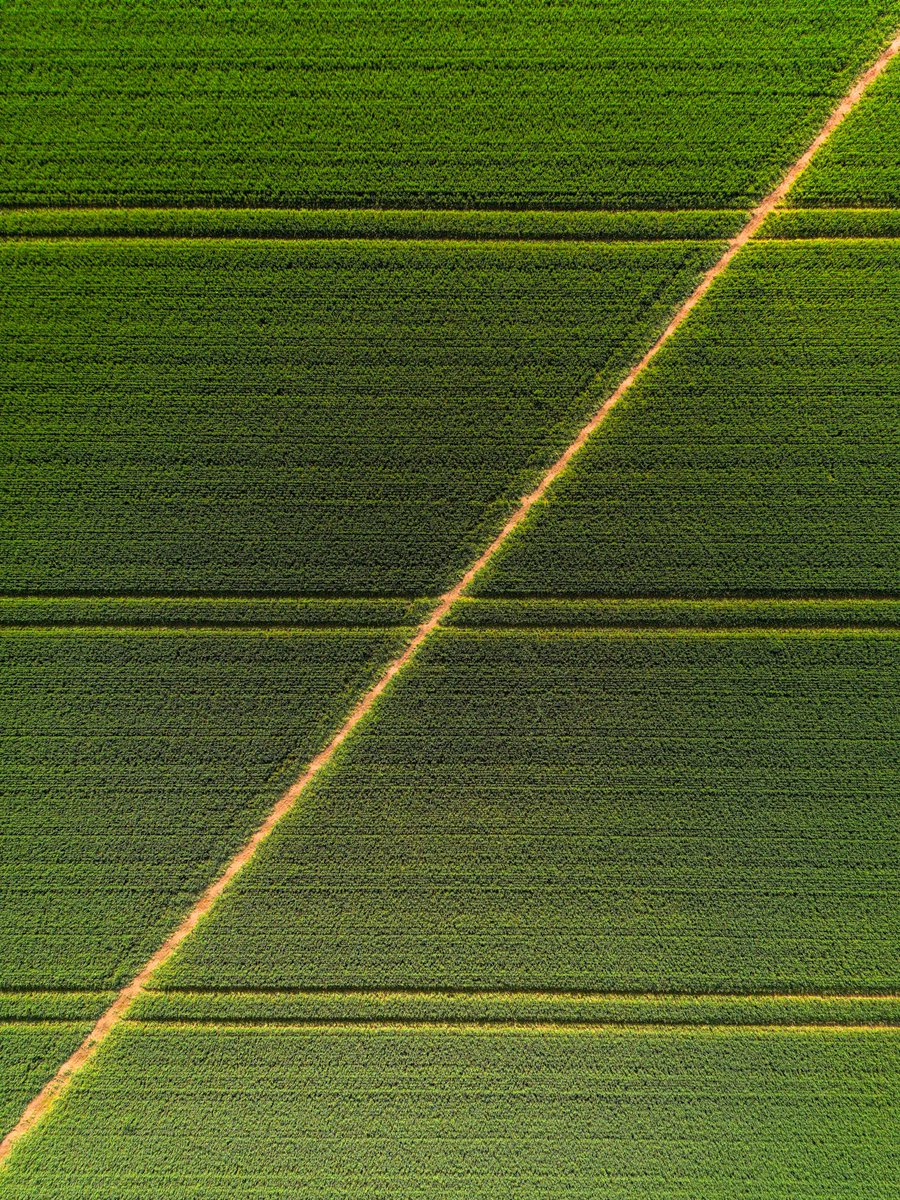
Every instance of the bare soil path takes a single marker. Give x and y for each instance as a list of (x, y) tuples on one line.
[(41, 1103)]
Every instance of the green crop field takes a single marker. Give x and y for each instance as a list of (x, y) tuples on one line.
[(421, 778), (861, 166), (268, 417), (591, 811), (758, 455), (422, 1112), (135, 764), (666, 104)]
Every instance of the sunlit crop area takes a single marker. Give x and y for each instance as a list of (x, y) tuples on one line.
[(449, 607)]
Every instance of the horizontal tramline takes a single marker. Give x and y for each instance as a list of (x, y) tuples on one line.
[(542, 994), (366, 1025)]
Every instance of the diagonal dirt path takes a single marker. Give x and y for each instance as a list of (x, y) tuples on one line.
[(41, 1103)]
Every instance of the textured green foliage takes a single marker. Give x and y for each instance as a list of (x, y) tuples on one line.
[(787, 223), (762, 613), (860, 165), (427, 1114), (134, 766), (33, 1006), (210, 612), (297, 417), (29, 1055), (246, 1007), (613, 812), (672, 103), (473, 224), (758, 454)]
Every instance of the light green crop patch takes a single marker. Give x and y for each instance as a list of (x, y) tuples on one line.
[(248, 1007), (806, 223), (427, 1114)]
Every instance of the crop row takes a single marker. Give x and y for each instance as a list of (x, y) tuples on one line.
[(204, 612), (333, 1006), (405, 224), (134, 766), (590, 811), (286, 418), (757, 454), (420, 1113), (619, 105), (630, 613), (788, 223)]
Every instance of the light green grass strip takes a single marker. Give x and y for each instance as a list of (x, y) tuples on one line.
[(370, 223), (762, 613), (355, 1006), (810, 223)]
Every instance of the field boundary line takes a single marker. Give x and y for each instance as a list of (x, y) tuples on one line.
[(42, 1102), (760, 629), (548, 994), (174, 628), (470, 1025)]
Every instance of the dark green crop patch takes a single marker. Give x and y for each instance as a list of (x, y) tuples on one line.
[(758, 454), (662, 104), (592, 811), (287, 419), (134, 765)]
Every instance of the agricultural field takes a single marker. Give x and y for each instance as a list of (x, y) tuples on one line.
[(666, 104), (350, 418), (590, 811), (136, 762), (347, 500), (860, 167), (462, 1112), (758, 455), (30, 1052)]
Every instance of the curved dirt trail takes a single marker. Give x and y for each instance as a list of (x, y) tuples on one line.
[(36, 1109)]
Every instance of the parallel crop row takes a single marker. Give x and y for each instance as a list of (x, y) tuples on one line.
[(473, 1115), (758, 454)]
